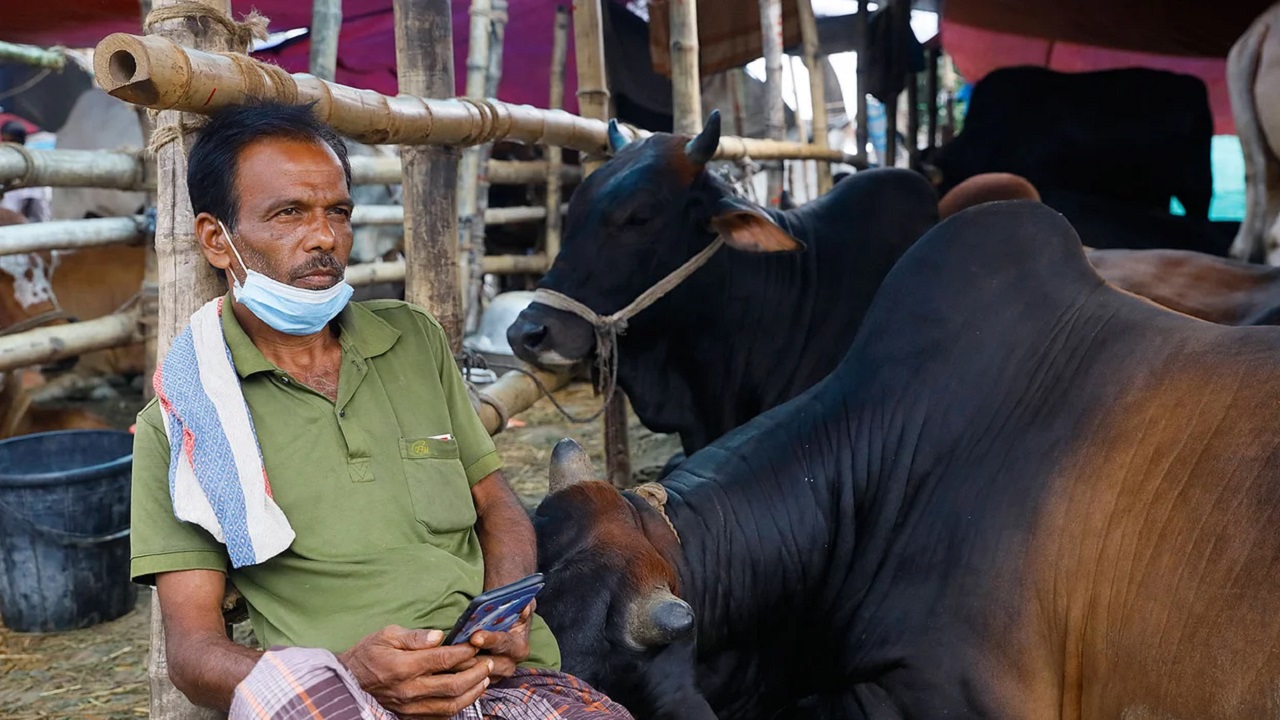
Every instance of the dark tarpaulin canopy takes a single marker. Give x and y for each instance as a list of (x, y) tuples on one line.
[(366, 45)]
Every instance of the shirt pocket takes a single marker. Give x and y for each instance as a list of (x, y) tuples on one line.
[(438, 485)]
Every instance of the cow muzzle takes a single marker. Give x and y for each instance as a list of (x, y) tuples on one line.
[(659, 619)]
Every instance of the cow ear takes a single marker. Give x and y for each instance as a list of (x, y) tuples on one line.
[(617, 140), (570, 465), (746, 227)]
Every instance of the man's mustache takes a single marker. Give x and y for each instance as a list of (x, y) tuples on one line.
[(326, 262)]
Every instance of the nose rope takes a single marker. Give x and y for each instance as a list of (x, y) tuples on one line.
[(608, 327)]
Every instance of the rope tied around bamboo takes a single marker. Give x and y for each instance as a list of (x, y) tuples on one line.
[(609, 327), (242, 34), (30, 167)]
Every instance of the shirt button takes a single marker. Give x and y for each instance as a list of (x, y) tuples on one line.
[(284, 380), (342, 413)]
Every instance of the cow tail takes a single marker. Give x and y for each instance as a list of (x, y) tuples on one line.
[(1261, 170)]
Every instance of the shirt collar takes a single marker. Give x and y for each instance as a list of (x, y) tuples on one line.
[(362, 332)]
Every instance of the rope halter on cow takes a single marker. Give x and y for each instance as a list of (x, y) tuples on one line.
[(609, 327)]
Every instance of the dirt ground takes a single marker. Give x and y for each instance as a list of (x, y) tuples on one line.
[(100, 673)]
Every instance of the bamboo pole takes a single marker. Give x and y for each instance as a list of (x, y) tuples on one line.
[(913, 119), (593, 103), (393, 271), (424, 59), (71, 234), (326, 26), (32, 55), (55, 342), (931, 96), (686, 76), (555, 158), (471, 167), (862, 29), (186, 282), (119, 170), (775, 116), (817, 88), (515, 392), (394, 215), (593, 84), (154, 73), (20, 167), (492, 78)]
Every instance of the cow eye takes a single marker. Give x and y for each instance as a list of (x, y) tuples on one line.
[(638, 217)]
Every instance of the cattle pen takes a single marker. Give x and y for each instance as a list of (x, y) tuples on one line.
[(191, 60)]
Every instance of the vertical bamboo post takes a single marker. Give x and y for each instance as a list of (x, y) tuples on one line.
[(686, 76), (473, 283), (861, 25), (471, 221), (913, 119), (931, 96), (593, 85), (326, 25), (555, 159), (424, 57), (891, 131), (798, 170), (186, 282), (817, 88), (775, 116), (593, 102)]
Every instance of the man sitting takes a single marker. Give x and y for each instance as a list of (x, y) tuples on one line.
[(325, 457)]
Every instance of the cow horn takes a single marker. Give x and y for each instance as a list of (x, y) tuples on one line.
[(570, 465), (703, 147), (617, 140), (659, 619)]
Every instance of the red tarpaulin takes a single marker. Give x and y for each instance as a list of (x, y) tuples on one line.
[(366, 46), (977, 52)]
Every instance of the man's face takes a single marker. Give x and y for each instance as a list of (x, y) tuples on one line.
[(295, 213)]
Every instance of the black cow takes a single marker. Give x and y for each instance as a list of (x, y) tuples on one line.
[(748, 330), (1023, 494), (1136, 136)]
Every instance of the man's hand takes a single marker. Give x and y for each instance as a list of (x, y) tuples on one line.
[(409, 673), (505, 650)]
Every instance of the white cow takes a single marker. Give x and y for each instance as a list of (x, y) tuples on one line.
[(1253, 77)]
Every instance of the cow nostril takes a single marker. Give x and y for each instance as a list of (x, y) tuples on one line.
[(674, 619), (534, 337)]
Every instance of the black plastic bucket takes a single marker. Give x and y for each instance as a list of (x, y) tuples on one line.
[(64, 529)]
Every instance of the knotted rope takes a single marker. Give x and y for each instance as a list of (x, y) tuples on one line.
[(608, 327), (242, 35), (656, 496)]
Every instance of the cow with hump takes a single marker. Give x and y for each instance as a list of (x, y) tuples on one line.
[(768, 315), (1022, 494)]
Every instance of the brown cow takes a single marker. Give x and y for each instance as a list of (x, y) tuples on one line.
[(27, 299), (983, 188), (1253, 78)]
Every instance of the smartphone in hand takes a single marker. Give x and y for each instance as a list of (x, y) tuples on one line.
[(497, 610)]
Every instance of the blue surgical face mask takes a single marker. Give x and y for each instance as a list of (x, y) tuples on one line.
[(289, 309)]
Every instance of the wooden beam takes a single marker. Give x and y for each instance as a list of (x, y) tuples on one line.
[(774, 114), (913, 119), (817, 88), (393, 271), (931, 97), (326, 26), (424, 59), (555, 160), (515, 392), (153, 73), (22, 167), (686, 77)]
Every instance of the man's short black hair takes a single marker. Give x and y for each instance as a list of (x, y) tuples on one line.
[(214, 159), (15, 130)]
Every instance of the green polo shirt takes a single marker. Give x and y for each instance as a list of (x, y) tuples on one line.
[(381, 506)]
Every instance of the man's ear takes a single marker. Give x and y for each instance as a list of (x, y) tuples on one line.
[(212, 243), (746, 227)]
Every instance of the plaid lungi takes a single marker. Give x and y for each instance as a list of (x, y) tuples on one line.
[(310, 684)]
